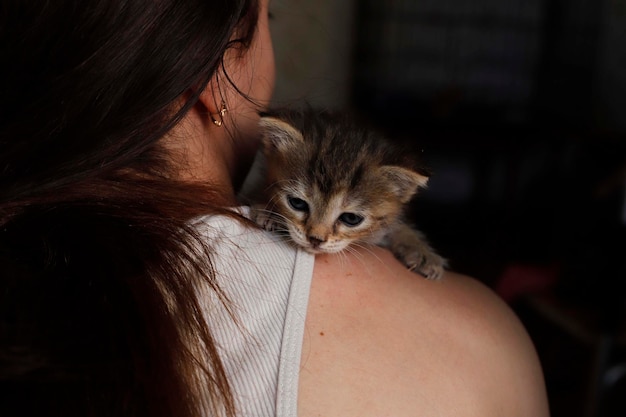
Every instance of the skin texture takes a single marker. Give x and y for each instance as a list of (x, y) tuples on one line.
[(379, 341)]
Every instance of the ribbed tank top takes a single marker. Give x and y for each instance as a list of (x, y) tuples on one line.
[(267, 284)]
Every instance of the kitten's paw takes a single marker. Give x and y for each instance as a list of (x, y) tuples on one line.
[(411, 247), (428, 264), (264, 219)]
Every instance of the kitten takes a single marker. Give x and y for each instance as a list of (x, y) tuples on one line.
[(326, 184)]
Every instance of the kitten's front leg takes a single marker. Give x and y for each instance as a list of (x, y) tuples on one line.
[(263, 218), (411, 247)]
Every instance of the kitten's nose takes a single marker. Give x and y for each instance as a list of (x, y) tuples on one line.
[(315, 241)]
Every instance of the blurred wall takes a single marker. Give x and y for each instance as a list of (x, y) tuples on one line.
[(313, 44), (611, 81)]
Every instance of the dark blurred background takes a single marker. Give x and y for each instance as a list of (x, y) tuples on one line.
[(519, 109)]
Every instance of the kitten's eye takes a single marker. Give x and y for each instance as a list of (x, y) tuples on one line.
[(298, 204), (351, 219)]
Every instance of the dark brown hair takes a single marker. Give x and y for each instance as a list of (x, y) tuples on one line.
[(97, 260)]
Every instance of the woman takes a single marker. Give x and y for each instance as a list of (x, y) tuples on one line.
[(133, 285)]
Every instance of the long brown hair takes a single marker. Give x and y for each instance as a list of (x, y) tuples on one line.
[(97, 263)]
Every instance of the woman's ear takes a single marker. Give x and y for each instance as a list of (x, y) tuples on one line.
[(212, 99)]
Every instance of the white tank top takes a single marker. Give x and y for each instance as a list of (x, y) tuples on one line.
[(267, 283)]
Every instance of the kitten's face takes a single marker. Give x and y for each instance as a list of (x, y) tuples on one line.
[(323, 222), (327, 200)]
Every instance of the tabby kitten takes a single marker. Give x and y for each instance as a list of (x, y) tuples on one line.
[(326, 184)]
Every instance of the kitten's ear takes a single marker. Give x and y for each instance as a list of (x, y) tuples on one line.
[(403, 181), (279, 134)]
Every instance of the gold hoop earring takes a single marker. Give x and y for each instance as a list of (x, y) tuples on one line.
[(219, 121)]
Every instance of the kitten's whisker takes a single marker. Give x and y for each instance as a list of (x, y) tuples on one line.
[(286, 180), (288, 185), (272, 202), (367, 247), (353, 251), (343, 257), (274, 215)]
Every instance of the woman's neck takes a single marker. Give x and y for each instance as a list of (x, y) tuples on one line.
[(204, 152)]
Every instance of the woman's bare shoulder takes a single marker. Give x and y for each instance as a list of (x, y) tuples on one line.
[(382, 340)]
